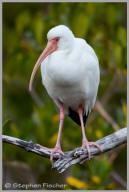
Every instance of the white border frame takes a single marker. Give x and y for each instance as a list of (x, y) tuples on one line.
[(29, 1)]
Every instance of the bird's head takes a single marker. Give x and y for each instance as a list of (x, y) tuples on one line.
[(59, 38)]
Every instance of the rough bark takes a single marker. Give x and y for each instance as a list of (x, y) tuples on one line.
[(78, 155)]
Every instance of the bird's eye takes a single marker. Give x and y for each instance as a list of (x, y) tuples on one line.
[(57, 39)]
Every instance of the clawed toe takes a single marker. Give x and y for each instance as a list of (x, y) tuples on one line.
[(52, 151), (42, 147), (87, 144), (55, 150), (96, 145)]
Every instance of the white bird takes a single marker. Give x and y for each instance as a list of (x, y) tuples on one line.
[(70, 74)]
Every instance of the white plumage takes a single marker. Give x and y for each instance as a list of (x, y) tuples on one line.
[(70, 74)]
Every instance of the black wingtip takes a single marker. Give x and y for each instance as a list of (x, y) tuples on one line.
[(75, 117)]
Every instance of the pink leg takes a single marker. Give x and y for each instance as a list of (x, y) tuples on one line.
[(57, 148), (85, 142)]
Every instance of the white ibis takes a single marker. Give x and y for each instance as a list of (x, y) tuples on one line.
[(70, 74)]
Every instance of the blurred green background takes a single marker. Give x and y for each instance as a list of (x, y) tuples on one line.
[(34, 116)]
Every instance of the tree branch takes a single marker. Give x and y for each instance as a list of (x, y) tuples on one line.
[(78, 155), (99, 107)]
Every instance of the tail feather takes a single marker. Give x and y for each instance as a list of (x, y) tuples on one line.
[(75, 117)]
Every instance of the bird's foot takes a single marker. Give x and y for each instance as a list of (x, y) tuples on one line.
[(86, 144), (42, 147), (56, 149)]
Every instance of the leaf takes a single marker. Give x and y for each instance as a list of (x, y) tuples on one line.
[(96, 179), (122, 36), (6, 123), (14, 130), (55, 118), (22, 21), (76, 183), (81, 20), (53, 139), (125, 113), (111, 15), (100, 168), (117, 50), (38, 28), (99, 134), (111, 185)]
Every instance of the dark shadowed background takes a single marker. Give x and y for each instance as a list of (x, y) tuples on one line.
[(34, 117)]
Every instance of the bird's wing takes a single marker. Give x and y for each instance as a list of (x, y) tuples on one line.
[(90, 73), (88, 70)]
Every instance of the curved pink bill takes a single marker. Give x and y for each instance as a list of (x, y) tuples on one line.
[(51, 47)]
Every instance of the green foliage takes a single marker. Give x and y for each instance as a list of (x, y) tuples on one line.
[(25, 25)]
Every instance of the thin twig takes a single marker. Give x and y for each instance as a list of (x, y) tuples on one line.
[(99, 107), (119, 179), (78, 155), (114, 86)]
